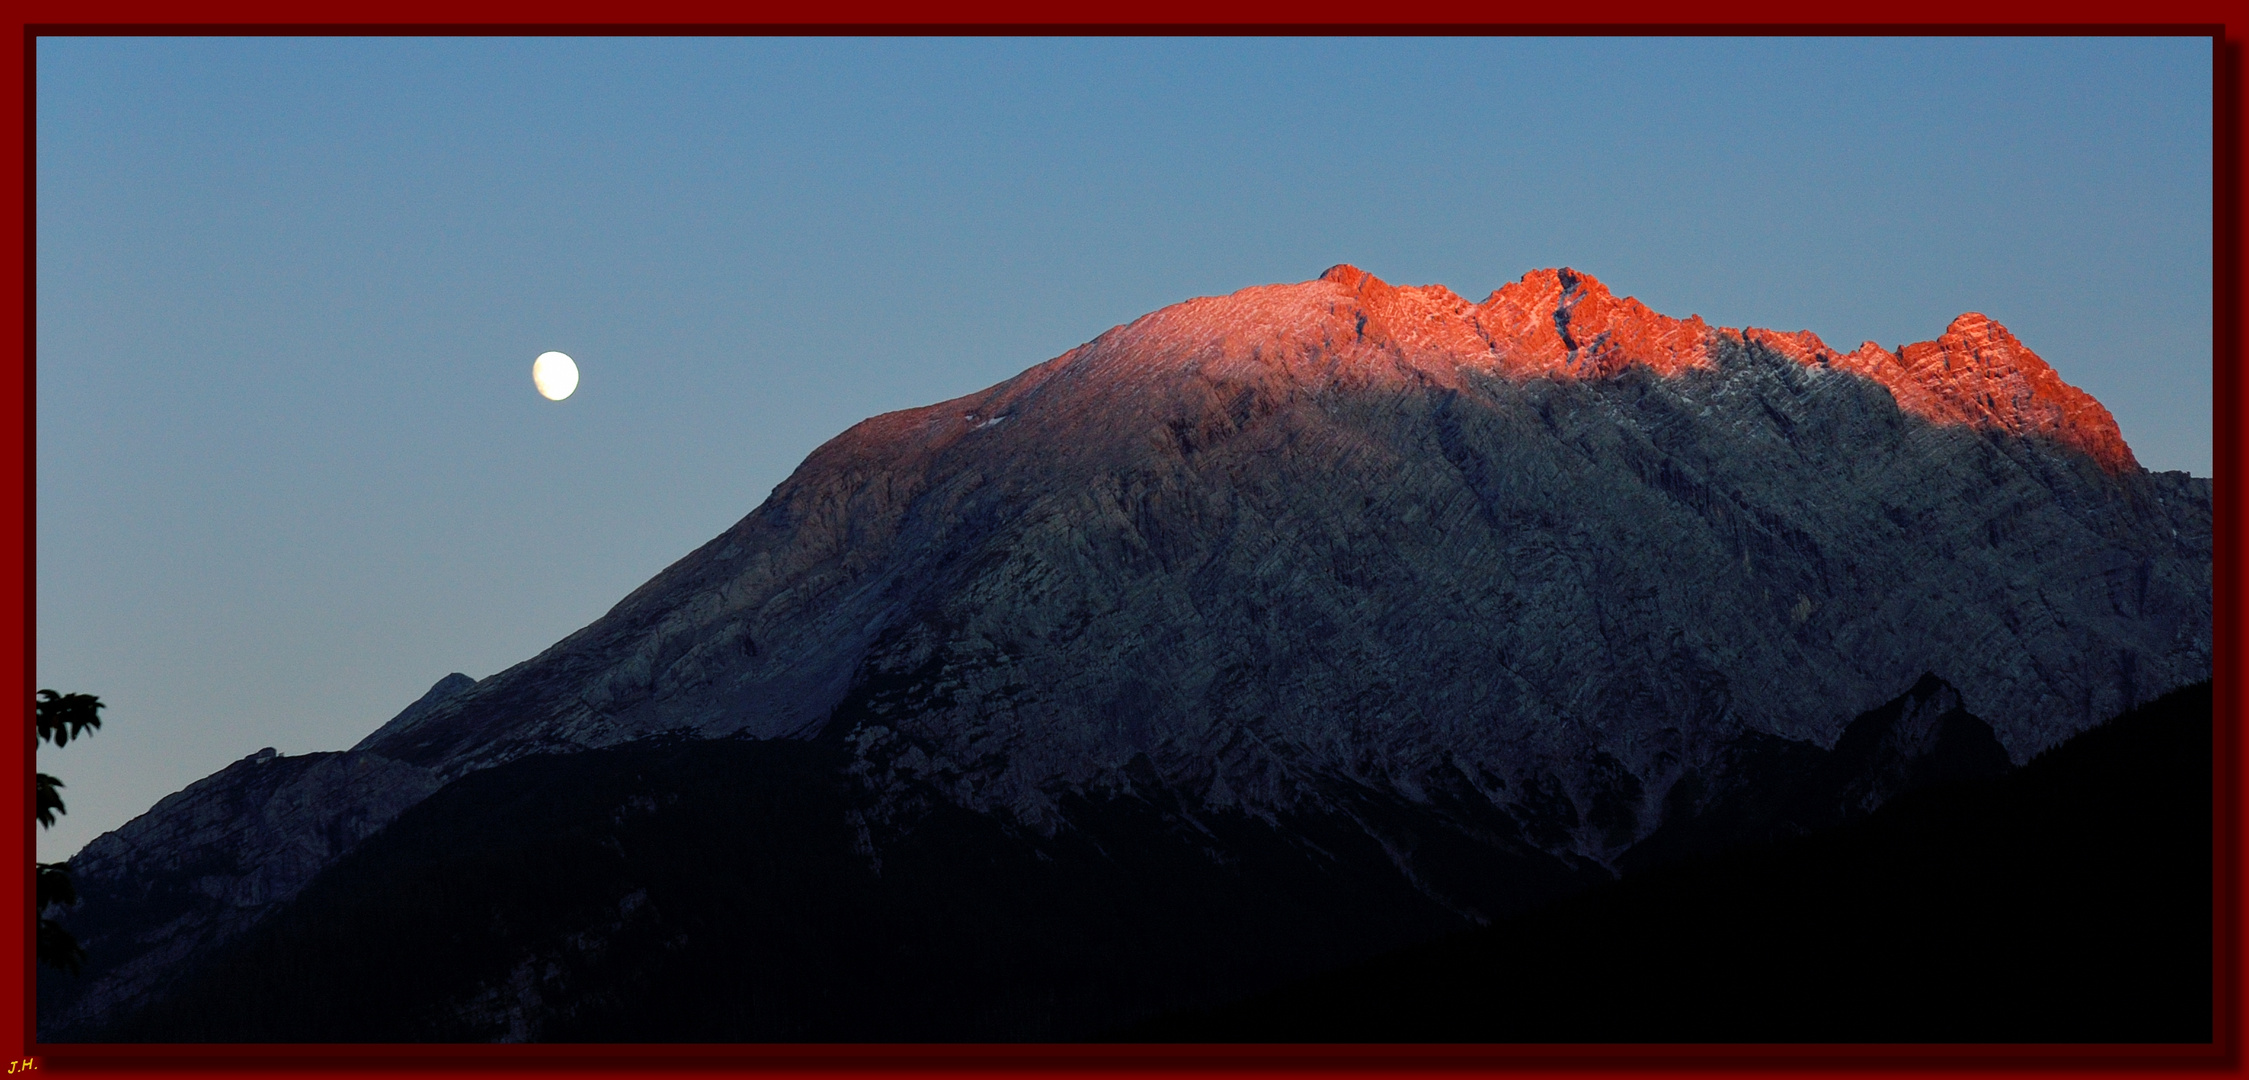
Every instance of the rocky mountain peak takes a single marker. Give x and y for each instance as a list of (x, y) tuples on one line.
[(1352, 327), (1974, 374), (1979, 374), (1349, 276), (1595, 334)]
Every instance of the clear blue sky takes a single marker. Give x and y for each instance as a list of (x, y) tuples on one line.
[(291, 468)]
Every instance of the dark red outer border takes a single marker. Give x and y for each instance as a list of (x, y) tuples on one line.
[(2217, 20), (1022, 28)]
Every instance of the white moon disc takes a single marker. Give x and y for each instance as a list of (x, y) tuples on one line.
[(555, 375)]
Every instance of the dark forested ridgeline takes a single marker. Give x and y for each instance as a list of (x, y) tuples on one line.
[(717, 891), (2069, 901)]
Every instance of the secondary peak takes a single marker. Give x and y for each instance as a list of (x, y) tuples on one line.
[(1349, 276)]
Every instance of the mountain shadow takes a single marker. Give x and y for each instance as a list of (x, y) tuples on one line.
[(1762, 788), (738, 890), (711, 891), (2068, 901)]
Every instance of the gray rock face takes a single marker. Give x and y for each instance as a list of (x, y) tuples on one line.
[(208, 862), (443, 690)]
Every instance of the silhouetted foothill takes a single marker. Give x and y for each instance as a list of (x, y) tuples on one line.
[(2068, 902), (1763, 788)]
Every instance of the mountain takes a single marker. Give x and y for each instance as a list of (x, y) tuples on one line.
[(1454, 607)]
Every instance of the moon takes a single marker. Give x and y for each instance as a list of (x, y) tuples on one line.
[(555, 375)]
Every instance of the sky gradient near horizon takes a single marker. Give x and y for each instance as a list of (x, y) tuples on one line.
[(291, 469)]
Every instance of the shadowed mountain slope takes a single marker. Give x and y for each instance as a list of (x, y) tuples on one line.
[(2068, 902), (712, 891)]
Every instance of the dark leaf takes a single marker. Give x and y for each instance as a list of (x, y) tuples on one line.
[(63, 717), (50, 800)]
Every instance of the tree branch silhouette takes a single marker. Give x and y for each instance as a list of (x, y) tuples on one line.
[(59, 718)]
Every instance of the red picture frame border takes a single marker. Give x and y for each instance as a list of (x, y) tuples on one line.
[(1161, 17)]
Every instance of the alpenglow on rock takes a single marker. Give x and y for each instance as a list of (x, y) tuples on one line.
[(1554, 541)]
